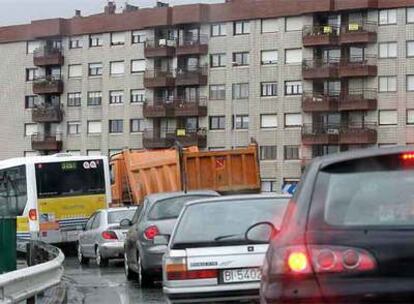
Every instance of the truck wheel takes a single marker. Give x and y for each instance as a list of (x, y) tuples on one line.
[(82, 260)]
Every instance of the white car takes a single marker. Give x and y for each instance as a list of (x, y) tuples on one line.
[(218, 246)]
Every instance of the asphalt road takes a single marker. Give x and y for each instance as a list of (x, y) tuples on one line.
[(90, 284)]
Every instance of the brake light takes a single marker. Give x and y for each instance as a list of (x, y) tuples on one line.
[(109, 235), (407, 156), (193, 275), (33, 214), (151, 232), (298, 262)]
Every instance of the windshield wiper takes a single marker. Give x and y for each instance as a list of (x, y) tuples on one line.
[(228, 236)]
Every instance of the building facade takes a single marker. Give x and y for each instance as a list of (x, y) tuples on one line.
[(303, 78)]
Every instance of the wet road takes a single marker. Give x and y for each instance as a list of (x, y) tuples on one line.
[(90, 284)]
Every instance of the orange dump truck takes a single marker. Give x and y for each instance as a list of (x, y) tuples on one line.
[(136, 174)]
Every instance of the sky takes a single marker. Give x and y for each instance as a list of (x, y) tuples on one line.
[(23, 11)]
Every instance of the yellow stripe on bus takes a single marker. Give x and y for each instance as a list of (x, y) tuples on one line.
[(22, 224)]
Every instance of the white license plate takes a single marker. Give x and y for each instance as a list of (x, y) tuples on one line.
[(241, 275)]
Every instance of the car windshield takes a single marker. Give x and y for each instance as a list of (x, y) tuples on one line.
[(226, 221), (170, 208), (115, 217), (373, 192)]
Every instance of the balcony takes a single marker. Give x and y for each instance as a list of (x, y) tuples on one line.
[(320, 35), (160, 48), (356, 134), (359, 100), (48, 85), (190, 107), (356, 33), (358, 67), (320, 102), (42, 142), (320, 134), (193, 46), (154, 140), (320, 68), (341, 5), (191, 76), (47, 113), (47, 55), (159, 108), (159, 79)]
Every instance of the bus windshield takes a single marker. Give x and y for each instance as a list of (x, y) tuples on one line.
[(70, 178)]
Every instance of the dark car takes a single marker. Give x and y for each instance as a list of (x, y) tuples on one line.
[(155, 218), (348, 233)]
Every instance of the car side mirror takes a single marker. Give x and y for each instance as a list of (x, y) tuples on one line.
[(125, 223), (161, 240), (261, 232)]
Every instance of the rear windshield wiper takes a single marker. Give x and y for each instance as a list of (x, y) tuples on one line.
[(228, 236)]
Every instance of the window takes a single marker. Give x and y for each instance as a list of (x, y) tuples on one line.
[(74, 127), (269, 89), (217, 122), (30, 101), (293, 120), (95, 69), (94, 98), (74, 152), (138, 37), (117, 68), (410, 48), (137, 96), (118, 38), (138, 66), (388, 50), (32, 46), (388, 117), (268, 152), (269, 186), (116, 126), (410, 83), (268, 121), (76, 42), (410, 117), (217, 60), (294, 24), (387, 83), (410, 15), (94, 152), (388, 16), (269, 57), (13, 190), (293, 56), (240, 91), (136, 125), (241, 27), (293, 88), (218, 29), (270, 25), (31, 74), (116, 97), (95, 40), (241, 122), (75, 70), (74, 99), (241, 58), (94, 127), (291, 152), (217, 92), (30, 129)]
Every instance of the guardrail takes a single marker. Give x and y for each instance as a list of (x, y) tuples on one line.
[(25, 284)]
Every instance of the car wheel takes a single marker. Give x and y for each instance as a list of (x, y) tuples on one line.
[(144, 278), (81, 258), (100, 261), (130, 275)]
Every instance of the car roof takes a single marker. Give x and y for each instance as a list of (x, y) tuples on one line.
[(239, 198), (330, 159), (119, 209), (166, 195)]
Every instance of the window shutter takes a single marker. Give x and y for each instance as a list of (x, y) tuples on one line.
[(118, 38), (30, 129), (138, 66), (294, 56), (269, 121), (293, 120), (32, 46), (410, 14), (117, 67), (410, 116), (388, 117), (75, 70), (410, 83), (294, 24), (269, 57), (94, 127), (270, 25)]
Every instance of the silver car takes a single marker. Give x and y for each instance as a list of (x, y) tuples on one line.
[(218, 247), (103, 238)]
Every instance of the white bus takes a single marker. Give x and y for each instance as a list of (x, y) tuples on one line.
[(54, 195)]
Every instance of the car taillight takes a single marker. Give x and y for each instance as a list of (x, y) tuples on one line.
[(176, 270), (33, 214), (407, 156), (109, 235), (151, 232), (298, 262)]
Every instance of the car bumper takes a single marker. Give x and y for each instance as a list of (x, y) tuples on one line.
[(112, 250), (152, 258)]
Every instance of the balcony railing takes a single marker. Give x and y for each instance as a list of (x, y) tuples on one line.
[(48, 85), (320, 35), (357, 66), (176, 107), (47, 113), (359, 33), (359, 100), (159, 78), (193, 45), (320, 102), (168, 137), (47, 142), (160, 47), (192, 75), (48, 55), (320, 68)]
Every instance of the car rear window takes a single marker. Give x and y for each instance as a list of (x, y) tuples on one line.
[(369, 192), (115, 217), (170, 208)]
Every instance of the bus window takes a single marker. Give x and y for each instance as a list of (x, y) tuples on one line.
[(13, 191)]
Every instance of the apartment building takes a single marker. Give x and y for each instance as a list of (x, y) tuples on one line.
[(303, 78)]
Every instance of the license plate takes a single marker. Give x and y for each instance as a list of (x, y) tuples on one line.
[(241, 275)]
